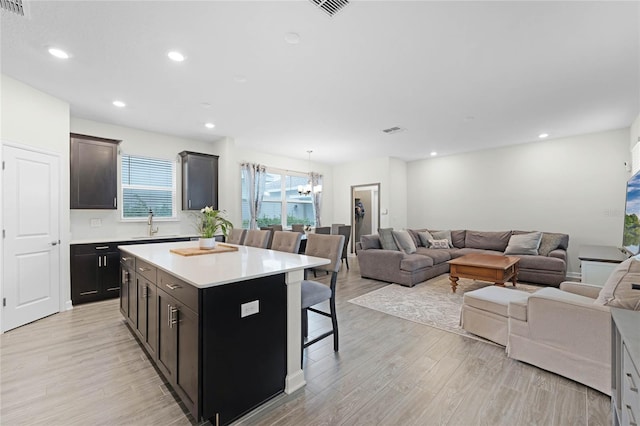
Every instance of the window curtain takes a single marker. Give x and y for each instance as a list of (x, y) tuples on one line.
[(316, 180), (255, 176)]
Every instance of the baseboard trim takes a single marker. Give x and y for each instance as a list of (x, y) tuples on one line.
[(68, 305), (574, 275)]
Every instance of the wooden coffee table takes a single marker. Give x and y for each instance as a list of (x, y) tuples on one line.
[(484, 267)]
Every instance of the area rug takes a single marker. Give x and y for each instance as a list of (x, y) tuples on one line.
[(430, 303)]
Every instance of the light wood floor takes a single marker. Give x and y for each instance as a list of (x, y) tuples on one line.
[(83, 367)]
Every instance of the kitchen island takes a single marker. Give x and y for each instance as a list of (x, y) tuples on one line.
[(223, 328)]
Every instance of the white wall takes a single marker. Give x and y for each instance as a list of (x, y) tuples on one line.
[(390, 173), (140, 142), (573, 185), (32, 118)]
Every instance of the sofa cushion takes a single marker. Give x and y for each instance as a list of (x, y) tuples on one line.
[(404, 241), (551, 241), (413, 262), (438, 255), (524, 243), (617, 291), (386, 239), (425, 236), (439, 244), (455, 253), (457, 238), (443, 235), (414, 235), (370, 242), (541, 263), (487, 240)]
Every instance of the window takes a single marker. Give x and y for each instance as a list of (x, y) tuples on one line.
[(281, 203), (148, 184)]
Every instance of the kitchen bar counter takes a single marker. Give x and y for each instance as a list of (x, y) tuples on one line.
[(210, 270), (223, 328)]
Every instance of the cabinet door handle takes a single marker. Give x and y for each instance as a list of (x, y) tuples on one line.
[(105, 260), (99, 261), (173, 287), (173, 316), (145, 293), (113, 288), (632, 385), (114, 202), (102, 247), (125, 259), (84, 293), (144, 269), (124, 276), (169, 315)]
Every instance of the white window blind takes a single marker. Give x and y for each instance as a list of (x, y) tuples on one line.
[(148, 184)]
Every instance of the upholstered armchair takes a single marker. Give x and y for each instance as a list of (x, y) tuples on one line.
[(568, 330)]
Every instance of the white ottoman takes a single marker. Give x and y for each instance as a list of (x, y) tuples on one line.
[(484, 311)]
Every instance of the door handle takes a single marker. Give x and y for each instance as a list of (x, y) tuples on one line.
[(54, 243)]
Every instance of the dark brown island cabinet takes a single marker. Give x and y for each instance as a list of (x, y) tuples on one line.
[(93, 172), (199, 180), (220, 364)]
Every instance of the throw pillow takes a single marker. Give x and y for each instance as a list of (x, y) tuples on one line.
[(370, 242), (404, 241), (549, 243), (386, 239), (524, 243), (439, 244), (485, 240), (617, 291), (443, 235), (425, 237)]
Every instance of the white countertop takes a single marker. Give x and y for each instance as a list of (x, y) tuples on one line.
[(98, 240), (214, 269)]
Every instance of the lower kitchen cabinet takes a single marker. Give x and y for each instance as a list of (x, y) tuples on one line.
[(94, 272), (147, 314)]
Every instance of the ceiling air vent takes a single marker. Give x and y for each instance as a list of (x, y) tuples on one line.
[(14, 6), (392, 130), (331, 7)]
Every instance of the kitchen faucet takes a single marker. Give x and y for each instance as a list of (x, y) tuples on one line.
[(150, 223)]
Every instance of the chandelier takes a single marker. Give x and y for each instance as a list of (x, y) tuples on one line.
[(309, 187)]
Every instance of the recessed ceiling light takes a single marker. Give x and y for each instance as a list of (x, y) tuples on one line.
[(175, 56), (240, 79), (292, 38), (543, 135), (209, 125), (59, 53), (119, 104), (205, 105), (433, 153)]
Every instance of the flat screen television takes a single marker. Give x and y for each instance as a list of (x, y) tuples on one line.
[(631, 233)]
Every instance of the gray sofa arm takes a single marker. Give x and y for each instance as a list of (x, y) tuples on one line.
[(559, 253), (583, 289), (380, 264)]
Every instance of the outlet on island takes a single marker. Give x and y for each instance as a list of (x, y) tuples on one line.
[(96, 223)]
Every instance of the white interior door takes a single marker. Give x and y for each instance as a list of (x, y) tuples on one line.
[(31, 264)]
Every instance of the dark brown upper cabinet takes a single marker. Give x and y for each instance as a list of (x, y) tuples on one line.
[(94, 172), (199, 180)]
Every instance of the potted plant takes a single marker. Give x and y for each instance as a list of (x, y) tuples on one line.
[(208, 223)]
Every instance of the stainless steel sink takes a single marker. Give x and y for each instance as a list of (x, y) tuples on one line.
[(155, 237)]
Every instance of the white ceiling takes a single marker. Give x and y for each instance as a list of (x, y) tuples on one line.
[(458, 76)]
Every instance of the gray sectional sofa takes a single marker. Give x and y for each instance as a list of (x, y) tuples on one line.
[(549, 267)]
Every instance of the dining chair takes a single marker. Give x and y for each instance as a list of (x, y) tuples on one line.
[(286, 241), (345, 231), (237, 236), (334, 228), (297, 227), (276, 227), (313, 292), (257, 238), (323, 230)]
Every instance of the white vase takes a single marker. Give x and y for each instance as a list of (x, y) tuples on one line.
[(207, 243)]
